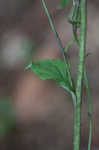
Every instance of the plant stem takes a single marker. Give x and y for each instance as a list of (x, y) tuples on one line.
[(89, 98), (89, 103), (77, 113), (89, 111), (53, 29), (58, 39)]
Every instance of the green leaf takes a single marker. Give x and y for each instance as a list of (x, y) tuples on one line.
[(51, 69), (54, 70), (63, 4)]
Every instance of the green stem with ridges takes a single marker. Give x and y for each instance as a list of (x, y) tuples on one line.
[(89, 101), (89, 106), (89, 110), (77, 113)]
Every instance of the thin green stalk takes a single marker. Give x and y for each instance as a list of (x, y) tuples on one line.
[(89, 104), (68, 46), (76, 36), (89, 111), (89, 99), (58, 39), (77, 119), (89, 107), (53, 29)]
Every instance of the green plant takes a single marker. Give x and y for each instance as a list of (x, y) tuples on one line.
[(60, 70), (7, 117)]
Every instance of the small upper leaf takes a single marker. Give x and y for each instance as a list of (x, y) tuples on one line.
[(54, 70), (63, 3), (51, 69)]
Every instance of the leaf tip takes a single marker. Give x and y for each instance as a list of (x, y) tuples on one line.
[(28, 67)]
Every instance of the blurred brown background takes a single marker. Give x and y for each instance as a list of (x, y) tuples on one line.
[(44, 112)]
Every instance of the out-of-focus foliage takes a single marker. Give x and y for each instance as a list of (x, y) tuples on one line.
[(63, 4), (7, 117)]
